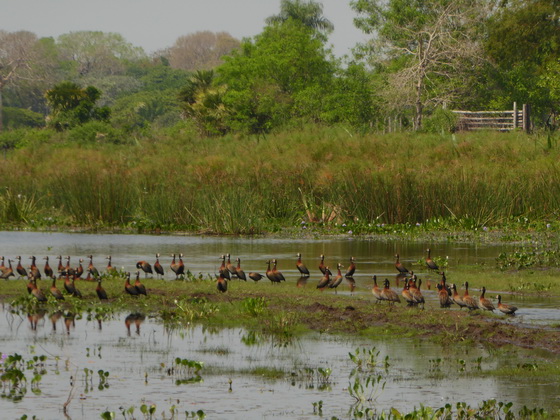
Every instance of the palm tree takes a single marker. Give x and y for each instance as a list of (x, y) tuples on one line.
[(309, 13)]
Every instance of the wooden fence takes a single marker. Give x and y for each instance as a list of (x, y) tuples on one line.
[(495, 120)]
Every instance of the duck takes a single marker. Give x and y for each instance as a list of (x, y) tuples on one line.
[(239, 271), (38, 293), (415, 291), (110, 269), (322, 266), (443, 294), (399, 266), (178, 267), (230, 267), (277, 274), (55, 290), (351, 268), (91, 268), (8, 271), (484, 303), (49, 272), (504, 307), (221, 283), (389, 294), (129, 288), (324, 282), (255, 276), (407, 295), (301, 266), (431, 263), (158, 268), (139, 286), (376, 291), (145, 266), (456, 298), (101, 293), (468, 300), (338, 279), (223, 269), (34, 269), (19, 268)]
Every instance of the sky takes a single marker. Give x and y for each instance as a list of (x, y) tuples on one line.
[(156, 24)]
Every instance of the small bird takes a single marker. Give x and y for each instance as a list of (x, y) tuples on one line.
[(468, 300), (101, 293), (239, 271), (158, 268), (146, 267), (338, 279), (129, 288), (431, 263), (47, 269), (221, 283), (484, 303), (139, 286), (351, 268), (325, 281), (398, 265), (504, 307), (301, 266), (389, 294), (55, 291), (255, 276), (376, 291)]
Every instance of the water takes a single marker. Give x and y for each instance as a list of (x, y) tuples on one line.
[(138, 357)]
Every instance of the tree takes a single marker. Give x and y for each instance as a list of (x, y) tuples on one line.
[(283, 73), (72, 105), (201, 51), (428, 47), (17, 56), (95, 52), (309, 13)]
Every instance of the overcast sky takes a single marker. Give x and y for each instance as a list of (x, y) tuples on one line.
[(156, 24)]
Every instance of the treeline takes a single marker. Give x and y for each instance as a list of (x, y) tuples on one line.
[(423, 58)]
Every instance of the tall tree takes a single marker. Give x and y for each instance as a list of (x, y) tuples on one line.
[(310, 13), (429, 43), (18, 53), (201, 50)]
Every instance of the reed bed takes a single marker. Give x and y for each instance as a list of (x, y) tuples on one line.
[(237, 185)]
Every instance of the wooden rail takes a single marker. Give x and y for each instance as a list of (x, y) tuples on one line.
[(495, 120)]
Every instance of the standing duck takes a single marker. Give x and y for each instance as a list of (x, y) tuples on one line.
[(322, 265), (224, 272), (301, 267), (431, 263), (399, 266), (351, 268), (139, 286), (101, 293), (376, 291), (91, 268), (19, 268), (34, 269), (484, 303), (145, 266), (8, 271), (468, 300), (129, 288), (230, 267), (158, 268), (456, 298), (324, 282), (443, 294), (239, 271), (338, 279), (221, 283), (177, 267), (277, 274), (504, 307), (55, 291), (389, 294), (47, 269)]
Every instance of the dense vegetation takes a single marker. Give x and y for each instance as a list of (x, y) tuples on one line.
[(276, 131)]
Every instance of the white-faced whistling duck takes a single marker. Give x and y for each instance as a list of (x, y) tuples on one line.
[(110, 269), (431, 263), (158, 268), (177, 267), (322, 265), (269, 273), (34, 269), (484, 303), (443, 294), (38, 293), (55, 291), (19, 268), (139, 286), (338, 279), (351, 268), (398, 265), (221, 283), (376, 291), (70, 286), (456, 298), (30, 285), (223, 269), (325, 281), (239, 271), (67, 269), (389, 294), (504, 307), (416, 292), (101, 293), (2, 266), (303, 270), (8, 271), (60, 267), (407, 295), (91, 269), (468, 300), (255, 276), (145, 266), (48, 270), (129, 288), (277, 274), (79, 270), (230, 267)]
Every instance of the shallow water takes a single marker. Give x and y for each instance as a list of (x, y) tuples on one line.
[(137, 360), (419, 372)]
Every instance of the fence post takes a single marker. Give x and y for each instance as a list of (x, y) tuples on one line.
[(514, 115), (526, 118)]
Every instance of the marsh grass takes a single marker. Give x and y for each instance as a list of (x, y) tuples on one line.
[(323, 176)]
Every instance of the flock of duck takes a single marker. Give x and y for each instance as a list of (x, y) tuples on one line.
[(411, 291)]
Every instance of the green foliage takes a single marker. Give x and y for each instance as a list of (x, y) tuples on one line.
[(72, 105), (255, 306), (440, 121), (17, 118), (95, 132)]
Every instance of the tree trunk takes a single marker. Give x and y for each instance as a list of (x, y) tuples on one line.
[(1, 108), (419, 107)]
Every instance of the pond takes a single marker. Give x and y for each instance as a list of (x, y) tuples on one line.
[(247, 375)]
